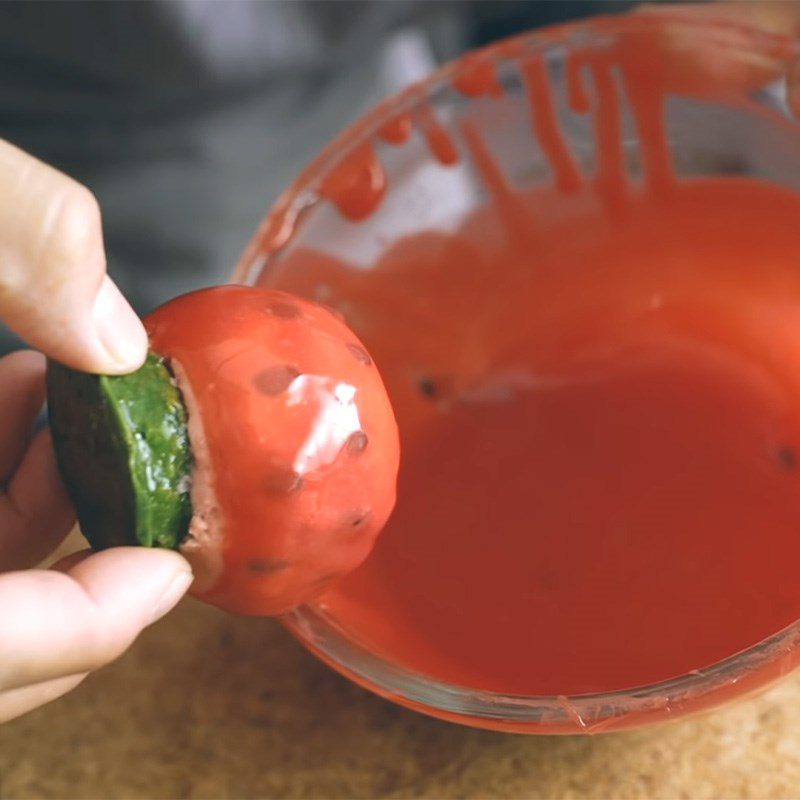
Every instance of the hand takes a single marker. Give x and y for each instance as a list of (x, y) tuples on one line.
[(57, 625)]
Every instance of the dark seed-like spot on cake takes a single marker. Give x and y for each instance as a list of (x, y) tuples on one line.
[(787, 458), (359, 518), (275, 380), (282, 481), (262, 565), (284, 310), (427, 387), (356, 443)]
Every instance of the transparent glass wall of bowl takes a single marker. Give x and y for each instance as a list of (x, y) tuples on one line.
[(749, 134)]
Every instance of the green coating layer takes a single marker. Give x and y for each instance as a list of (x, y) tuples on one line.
[(123, 450)]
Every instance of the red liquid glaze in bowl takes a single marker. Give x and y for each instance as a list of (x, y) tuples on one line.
[(574, 258)]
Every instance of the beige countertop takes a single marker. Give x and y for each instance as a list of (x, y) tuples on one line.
[(211, 706)]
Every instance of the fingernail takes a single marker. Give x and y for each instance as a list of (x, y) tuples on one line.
[(119, 329), (171, 595)]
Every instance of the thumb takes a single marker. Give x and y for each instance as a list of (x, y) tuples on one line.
[(84, 612), (54, 291)]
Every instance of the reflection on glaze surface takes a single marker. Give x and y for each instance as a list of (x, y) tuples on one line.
[(335, 421)]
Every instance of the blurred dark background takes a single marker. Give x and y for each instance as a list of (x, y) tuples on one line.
[(188, 118)]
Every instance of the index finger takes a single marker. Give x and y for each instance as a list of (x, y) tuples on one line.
[(54, 291)]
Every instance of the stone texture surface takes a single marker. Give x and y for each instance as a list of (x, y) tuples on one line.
[(211, 706)]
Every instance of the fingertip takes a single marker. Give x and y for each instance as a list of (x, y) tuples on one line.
[(28, 361), (146, 582), (171, 596), (154, 562), (119, 331), (107, 338)]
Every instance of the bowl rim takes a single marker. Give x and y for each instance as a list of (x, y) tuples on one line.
[(581, 713), (285, 213), (320, 633)]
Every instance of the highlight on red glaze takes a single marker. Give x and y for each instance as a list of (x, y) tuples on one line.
[(299, 437), (596, 385)]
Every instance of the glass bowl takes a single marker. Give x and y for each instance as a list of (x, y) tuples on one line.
[(723, 113)]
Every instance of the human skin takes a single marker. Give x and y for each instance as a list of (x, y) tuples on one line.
[(56, 625)]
